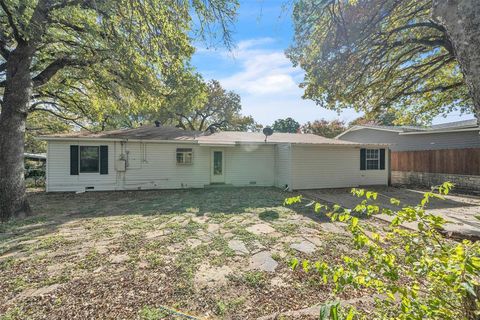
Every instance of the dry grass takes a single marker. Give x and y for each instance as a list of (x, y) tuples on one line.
[(128, 254)]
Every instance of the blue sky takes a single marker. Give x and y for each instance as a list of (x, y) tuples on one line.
[(258, 70)]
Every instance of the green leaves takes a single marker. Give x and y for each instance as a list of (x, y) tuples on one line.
[(292, 200), (408, 60), (417, 273)]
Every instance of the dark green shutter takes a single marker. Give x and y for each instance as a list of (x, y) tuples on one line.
[(382, 159), (74, 160), (363, 159), (103, 159)]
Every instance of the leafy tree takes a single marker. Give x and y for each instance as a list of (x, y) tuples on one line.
[(287, 125), (415, 274), (324, 128), (385, 119), (54, 53), (42, 123), (407, 57), (203, 106)]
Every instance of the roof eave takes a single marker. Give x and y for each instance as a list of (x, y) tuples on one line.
[(49, 138), (439, 131)]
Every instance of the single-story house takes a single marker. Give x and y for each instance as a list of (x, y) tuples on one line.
[(427, 155), (152, 157)]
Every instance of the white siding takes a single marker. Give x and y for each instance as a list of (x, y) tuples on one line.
[(332, 167), (250, 165), (58, 168), (432, 141), (158, 171), (283, 165), (153, 166)]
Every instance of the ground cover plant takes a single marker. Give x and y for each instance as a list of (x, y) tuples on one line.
[(220, 253), (212, 254), (416, 274)]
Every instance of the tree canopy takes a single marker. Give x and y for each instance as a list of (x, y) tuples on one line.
[(204, 106), (377, 55), (91, 55), (324, 128), (73, 58), (287, 125)]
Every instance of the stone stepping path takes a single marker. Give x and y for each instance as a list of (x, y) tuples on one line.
[(304, 247), (238, 246), (119, 258), (209, 276), (260, 229), (263, 261)]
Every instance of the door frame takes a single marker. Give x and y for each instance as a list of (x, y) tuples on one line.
[(217, 178)]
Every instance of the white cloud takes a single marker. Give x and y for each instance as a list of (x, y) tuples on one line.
[(263, 71), (268, 83)]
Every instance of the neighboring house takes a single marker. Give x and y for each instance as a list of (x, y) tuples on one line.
[(171, 158), (428, 155)]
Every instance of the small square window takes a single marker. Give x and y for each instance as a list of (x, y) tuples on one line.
[(184, 156)]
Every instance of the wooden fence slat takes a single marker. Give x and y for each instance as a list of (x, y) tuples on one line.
[(453, 161)]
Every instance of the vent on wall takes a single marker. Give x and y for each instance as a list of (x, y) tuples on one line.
[(253, 182), (89, 188)]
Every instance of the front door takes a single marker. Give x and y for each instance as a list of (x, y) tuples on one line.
[(218, 167)]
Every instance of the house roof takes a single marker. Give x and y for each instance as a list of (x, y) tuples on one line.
[(465, 125), (235, 137), (152, 133), (141, 133)]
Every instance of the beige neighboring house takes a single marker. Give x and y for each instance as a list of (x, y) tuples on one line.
[(169, 158)]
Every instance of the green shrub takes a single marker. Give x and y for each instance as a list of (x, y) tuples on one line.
[(415, 274)]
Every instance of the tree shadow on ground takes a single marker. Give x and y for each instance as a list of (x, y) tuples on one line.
[(269, 215)]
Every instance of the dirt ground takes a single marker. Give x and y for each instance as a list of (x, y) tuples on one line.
[(462, 211), (212, 254)]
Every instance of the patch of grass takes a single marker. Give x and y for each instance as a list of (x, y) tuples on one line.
[(91, 261), (287, 228), (131, 241), (18, 284), (276, 256), (15, 313), (152, 313), (53, 242), (18, 223), (154, 260), (224, 307), (55, 279), (254, 279), (8, 264)]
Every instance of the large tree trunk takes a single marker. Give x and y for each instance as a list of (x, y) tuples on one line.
[(18, 90), (461, 19)]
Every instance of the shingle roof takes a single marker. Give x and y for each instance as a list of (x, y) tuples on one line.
[(456, 124), (223, 137), (142, 133), (472, 123), (276, 137)]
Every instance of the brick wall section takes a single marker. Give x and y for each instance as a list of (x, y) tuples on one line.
[(466, 182)]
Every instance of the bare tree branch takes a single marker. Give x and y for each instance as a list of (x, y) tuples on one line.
[(53, 68)]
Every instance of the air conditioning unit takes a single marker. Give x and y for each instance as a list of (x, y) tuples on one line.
[(121, 165)]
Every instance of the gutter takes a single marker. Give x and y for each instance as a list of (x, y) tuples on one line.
[(439, 131)]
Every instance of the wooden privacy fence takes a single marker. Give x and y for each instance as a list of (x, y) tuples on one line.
[(453, 161)]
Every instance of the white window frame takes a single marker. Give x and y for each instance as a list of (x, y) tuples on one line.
[(372, 155), (187, 156)]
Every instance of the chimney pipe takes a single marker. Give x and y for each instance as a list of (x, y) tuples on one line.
[(157, 123)]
